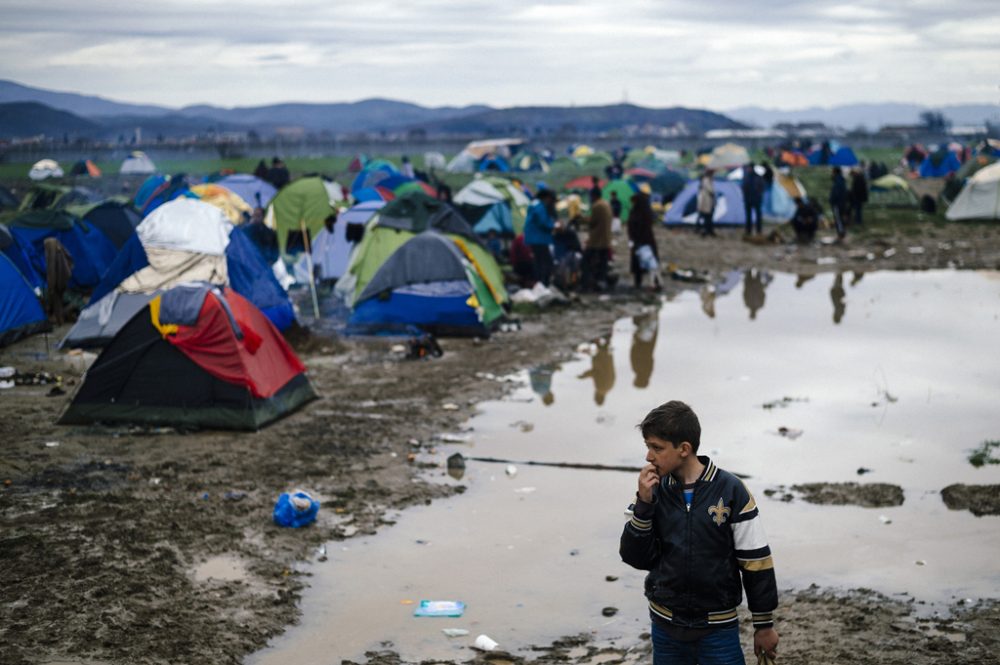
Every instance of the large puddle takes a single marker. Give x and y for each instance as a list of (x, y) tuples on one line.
[(898, 373)]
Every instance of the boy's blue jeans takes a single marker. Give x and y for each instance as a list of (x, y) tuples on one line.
[(719, 647)]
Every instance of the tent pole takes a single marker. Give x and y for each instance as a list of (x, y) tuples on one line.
[(309, 262)]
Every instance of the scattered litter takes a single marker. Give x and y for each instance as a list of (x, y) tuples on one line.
[(439, 608), (456, 461), (574, 552), (155, 481), (235, 495), (511, 470), (451, 437), (863, 470), (407, 601), (485, 643), (7, 372), (296, 509), (609, 611), (870, 256), (885, 519), (523, 425), (525, 490), (4, 385), (826, 260), (449, 406), (920, 562), (789, 432), (889, 253), (455, 632), (398, 348), (51, 444), (915, 250), (610, 578), (783, 402), (414, 442), (321, 553)]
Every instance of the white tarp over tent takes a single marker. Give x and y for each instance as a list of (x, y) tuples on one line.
[(187, 225), (980, 198)]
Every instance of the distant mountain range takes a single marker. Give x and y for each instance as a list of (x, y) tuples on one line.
[(869, 116), (98, 118)]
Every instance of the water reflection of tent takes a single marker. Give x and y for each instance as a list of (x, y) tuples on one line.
[(194, 356), (980, 197), (436, 283)]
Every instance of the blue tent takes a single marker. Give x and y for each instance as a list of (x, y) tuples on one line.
[(939, 164), (839, 155), (91, 250), (494, 163), (23, 257), (20, 312), (498, 219), (728, 205)]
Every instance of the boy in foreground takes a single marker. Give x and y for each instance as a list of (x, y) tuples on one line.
[(695, 528)]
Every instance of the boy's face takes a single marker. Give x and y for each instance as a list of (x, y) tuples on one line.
[(664, 456)]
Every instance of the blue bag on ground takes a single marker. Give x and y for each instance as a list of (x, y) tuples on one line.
[(295, 509)]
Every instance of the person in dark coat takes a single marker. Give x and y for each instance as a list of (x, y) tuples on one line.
[(858, 194), (838, 200), (278, 174), (753, 199), (640, 233)]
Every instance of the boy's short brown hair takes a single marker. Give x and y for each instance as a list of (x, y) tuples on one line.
[(673, 421)]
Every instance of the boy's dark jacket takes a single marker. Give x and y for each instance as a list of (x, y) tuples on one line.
[(695, 556)]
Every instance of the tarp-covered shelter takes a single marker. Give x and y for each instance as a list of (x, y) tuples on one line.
[(194, 356), (182, 241), (433, 282), (980, 197)]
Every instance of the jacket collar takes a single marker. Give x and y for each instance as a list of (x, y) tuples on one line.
[(707, 475)]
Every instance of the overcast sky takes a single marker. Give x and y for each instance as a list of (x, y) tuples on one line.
[(715, 54)]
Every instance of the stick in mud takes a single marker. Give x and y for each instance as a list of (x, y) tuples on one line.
[(569, 465)]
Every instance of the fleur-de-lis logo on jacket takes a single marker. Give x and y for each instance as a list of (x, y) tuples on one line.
[(719, 513)]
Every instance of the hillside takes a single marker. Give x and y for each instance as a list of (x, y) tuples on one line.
[(23, 119)]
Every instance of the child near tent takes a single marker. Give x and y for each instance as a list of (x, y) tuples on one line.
[(697, 530)]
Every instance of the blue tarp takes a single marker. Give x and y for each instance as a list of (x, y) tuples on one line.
[(20, 312), (939, 166)]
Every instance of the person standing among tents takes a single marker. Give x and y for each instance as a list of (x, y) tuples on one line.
[(640, 234), (324, 253), (538, 227), (705, 224), (58, 270), (753, 199), (278, 174), (406, 168), (838, 199), (597, 251), (858, 194)]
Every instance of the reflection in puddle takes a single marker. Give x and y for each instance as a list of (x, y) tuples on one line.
[(903, 388)]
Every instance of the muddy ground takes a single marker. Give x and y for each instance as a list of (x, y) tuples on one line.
[(102, 528)]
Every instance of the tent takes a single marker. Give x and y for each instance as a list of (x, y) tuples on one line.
[(137, 163), (85, 167), (726, 156), (306, 202), (728, 205), (182, 241), (399, 221), (21, 314), (332, 251), (157, 190), (24, 258), (939, 164), (891, 191), (778, 204), (8, 201), (194, 356), (624, 189), (793, 158), (433, 282), (45, 168), (236, 209), (435, 160), (490, 191), (256, 192), (92, 251), (980, 198), (44, 196), (834, 155), (115, 218)]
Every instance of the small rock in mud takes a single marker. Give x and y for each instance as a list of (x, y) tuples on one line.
[(978, 499), (866, 495)]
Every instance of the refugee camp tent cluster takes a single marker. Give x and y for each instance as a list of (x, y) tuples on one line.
[(778, 205), (421, 264)]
